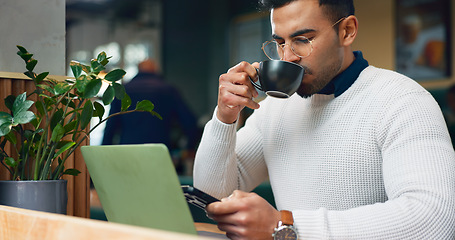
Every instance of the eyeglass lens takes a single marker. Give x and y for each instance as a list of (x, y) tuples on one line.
[(300, 46)]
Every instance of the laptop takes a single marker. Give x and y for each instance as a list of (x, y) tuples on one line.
[(138, 185)]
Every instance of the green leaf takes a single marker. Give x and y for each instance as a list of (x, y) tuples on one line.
[(81, 82), (76, 68), (5, 128), (22, 49), (62, 143), (26, 105), (71, 171), (72, 95), (40, 107), (64, 148), (48, 99), (101, 58), (61, 88), (25, 56), (56, 118), (156, 115), (97, 67), (115, 75), (38, 135), (31, 64), (92, 88), (21, 105), (28, 134), (68, 102), (35, 123), (145, 105), (30, 74), (126, 102), (119, 90), (105, 61), (10, 162), (11, 137), (23, 118), (108, 95), (57, 133), (5, 118), (99, 110), (53, 81), (41, 77), (86, 68), (70, 126), (47, 88), (9, 102), (70, 81), (87, 114), (18, 105)]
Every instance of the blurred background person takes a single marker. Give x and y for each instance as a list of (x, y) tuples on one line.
[(178, 130)]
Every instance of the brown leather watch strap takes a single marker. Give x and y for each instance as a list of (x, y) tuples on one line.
[(286, 217)]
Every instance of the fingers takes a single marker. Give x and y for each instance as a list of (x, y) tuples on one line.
[(238, 84), (236, 92), (244, 216), (249, 69), (229, 204)]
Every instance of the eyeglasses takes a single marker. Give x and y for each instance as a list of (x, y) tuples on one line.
[(301, 46)]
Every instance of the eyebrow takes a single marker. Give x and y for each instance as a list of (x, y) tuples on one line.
[(295, 34)]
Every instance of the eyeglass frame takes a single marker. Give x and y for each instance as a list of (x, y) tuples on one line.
[(283, 45)]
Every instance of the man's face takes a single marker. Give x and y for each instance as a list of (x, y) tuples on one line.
[(306, 18)]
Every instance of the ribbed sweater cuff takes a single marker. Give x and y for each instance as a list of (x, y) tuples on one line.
[(221, 130)]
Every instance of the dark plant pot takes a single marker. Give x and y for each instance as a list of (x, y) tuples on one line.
[(48, 195)]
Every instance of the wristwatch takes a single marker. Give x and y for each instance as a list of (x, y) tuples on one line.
[(285, 229)]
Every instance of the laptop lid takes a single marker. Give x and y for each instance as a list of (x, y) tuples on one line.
[(138, 185)]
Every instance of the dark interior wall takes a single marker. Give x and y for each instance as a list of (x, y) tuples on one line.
[(185, 55), (239, 7), (196, 46)]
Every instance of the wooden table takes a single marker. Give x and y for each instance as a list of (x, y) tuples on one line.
[(18, 224)]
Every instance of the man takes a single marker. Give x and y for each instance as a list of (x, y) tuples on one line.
[(358, 153)]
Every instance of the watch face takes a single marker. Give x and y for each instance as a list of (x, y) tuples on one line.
[(286, 233)]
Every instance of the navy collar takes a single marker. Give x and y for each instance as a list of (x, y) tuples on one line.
[(344, 80)]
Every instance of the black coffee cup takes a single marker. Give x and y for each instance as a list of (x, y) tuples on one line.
[(278, 78)]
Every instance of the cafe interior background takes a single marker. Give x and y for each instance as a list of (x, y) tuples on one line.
[(195, 41)]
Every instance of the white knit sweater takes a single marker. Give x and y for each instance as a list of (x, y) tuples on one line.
[(374, 163)]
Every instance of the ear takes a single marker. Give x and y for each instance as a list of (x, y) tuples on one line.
[(348, 30)]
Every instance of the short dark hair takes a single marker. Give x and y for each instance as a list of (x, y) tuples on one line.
[(334, 9)]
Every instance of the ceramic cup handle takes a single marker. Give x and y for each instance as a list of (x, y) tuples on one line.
[(255, 84)]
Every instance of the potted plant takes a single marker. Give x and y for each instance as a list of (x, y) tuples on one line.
[(44, 139)]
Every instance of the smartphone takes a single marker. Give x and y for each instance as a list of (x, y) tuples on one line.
[(197, 197)]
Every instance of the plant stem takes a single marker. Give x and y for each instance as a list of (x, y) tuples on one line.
[(43, 136), (7, 167), (75, 112), (47, 165), (26, 155), (38, 159), (43, 150), (73, 148)]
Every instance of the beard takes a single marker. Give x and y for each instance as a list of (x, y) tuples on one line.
[(321, 80)]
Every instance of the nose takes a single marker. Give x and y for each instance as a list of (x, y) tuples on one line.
[(289, 55)]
